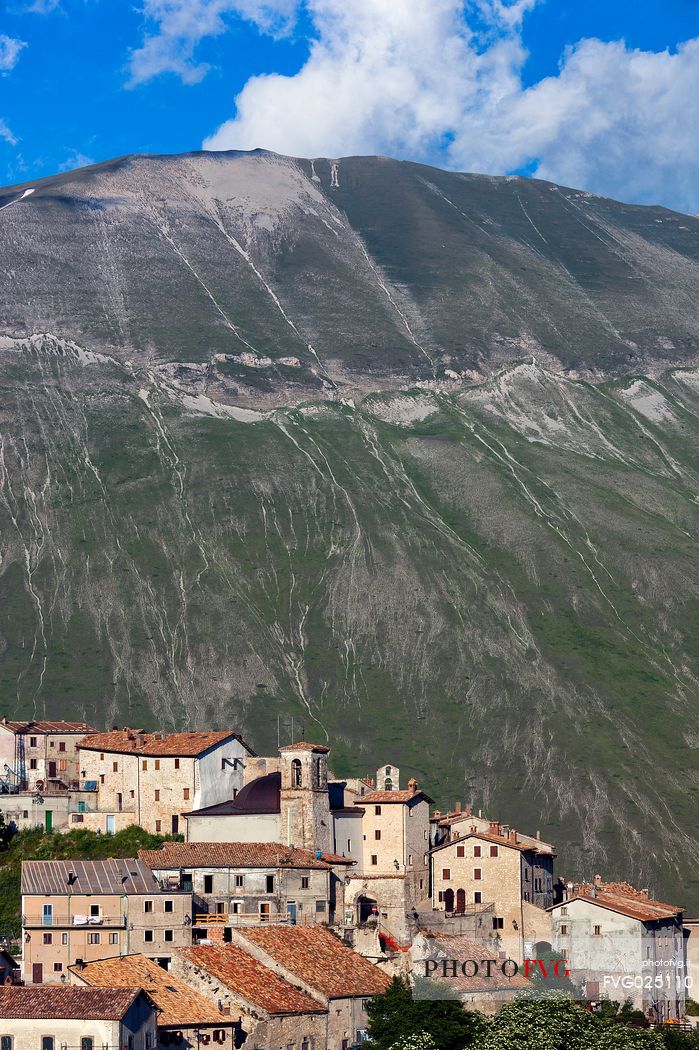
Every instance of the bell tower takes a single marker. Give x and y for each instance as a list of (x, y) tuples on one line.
[(305, 818), (388, 778)]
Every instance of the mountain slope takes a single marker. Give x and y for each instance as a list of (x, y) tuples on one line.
[(242, 477), (285, 277)]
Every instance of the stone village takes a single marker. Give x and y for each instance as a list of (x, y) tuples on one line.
[(294, 897)]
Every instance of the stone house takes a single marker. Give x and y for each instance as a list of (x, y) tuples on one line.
[(89, 1018), (38, 752), (151, 779), (691, 956), (82, 911), (243, 882), (451, 961), (621, 944), (270, 1011), (184, 1017), (394, 873), (315, 960), (506, 881)]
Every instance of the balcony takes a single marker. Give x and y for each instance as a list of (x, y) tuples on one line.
[(87, 922), (252, 918)]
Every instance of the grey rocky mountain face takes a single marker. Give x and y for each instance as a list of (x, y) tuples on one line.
[(408, 454)]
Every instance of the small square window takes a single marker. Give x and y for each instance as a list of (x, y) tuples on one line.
[(374, 859), (115, 767), (157, 794), (498, 922), (33, 763), (93, 938), (563, 930), (305, 882), (446, 874), (144, 764), (494, 851), (57, 967), (62, 745), (477, 851), (32, 741), (48, 938), (169, 905), (461, 851), (320, 907), (158, 825), (113, 938), (169, 936), (410, 860), (157, 763), (185, 794), (377, 811), (148, 906), (477, 874), (177, 763), (564, 911), (239, 881), (148, 936), (377, 835), (477, 897), (597, 931), (64, 938)]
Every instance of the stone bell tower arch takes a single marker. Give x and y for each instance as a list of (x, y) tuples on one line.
[(305, 817)]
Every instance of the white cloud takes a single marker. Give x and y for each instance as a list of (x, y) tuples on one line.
[(10, 49), (178, 26), (6, 135)]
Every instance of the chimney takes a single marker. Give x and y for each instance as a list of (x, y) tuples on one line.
[(512, 837), (457, 807), (468, 811), (412, 786), (538, 834), (644, 892), (473, 829), (597, 880), (494, 828)]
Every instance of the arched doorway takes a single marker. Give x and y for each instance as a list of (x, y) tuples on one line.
[(461, 901), (367, 909), (449, 900)]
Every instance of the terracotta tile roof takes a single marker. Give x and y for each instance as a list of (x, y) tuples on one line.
[(392, 796), (319, 959), (252, 980), (178, 1003), (127, 741), (47, 1002), (229, 855), (77, 877), (303, 745), (47, 727), (371, 878), (626, 900), (499, 840)]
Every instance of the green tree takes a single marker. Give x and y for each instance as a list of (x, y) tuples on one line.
[(555, 1023), (396, 1016)]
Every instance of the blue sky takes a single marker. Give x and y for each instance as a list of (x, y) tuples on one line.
[(603, 95)]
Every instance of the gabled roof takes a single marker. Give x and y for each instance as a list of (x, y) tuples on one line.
[(78, 877), (229, 855), (319, 959), (55, 1002), (624, 900), (389, 797), (303, 745), (176, 745), (499, 840), (255, 982), (177, 1002), (46, 727), (446, 946)]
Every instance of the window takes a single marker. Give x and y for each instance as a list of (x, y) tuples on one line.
[(269, 883), (62, 765), (477, 897), (498, 922), (144, 764), (102, 756), (177, 763), (305, 882), (148, 936), (87, 1043), (115, 767), (264, 911), (33, 763), (157, 763), (477, 851), (101, 778), (422, 883), (157, 794), (564, 911), (377, 835), (446, 874), (477, 873), (62, 745), (461, 851), (32, 741), (57, 967), (377, 811), (563, 930), (132, 794), (320, 906), (169, 906), (494, 850), (374, 859), (64, 938), (239, 881), (48, 938), (47, 1042), (149, 1041), (113, 938), (410, 859), (93, 938), (296, 773), (596, 931), (185, 794), (169, 935), (95, 911), (6, 1042), (25, 813), (47, 916), (148, 905), (158, 825), (208, 884)]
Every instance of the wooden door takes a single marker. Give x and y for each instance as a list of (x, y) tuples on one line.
[(37, 973)]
